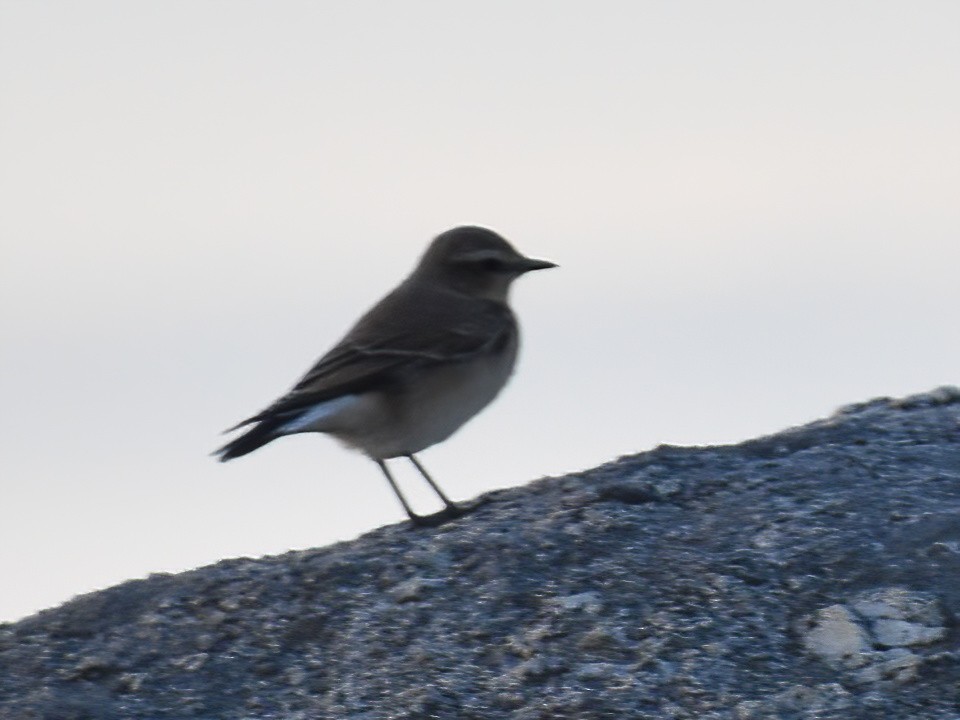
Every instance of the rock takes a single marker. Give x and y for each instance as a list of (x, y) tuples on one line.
[(899, 617), (588, 602), (837, 638), (899, 633), (896, 665), (415, 588), (814, 573)]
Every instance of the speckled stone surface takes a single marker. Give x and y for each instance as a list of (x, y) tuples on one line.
[(810, 574)]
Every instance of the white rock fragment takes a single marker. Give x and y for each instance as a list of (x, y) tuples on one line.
[(898, 665), (900, 633), (587, 601), (836, 637), (415, 588), (668, 487), (766, 539), (604, 672), (899, 604), (900, 617), (894, 618)]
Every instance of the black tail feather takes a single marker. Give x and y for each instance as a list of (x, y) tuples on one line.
[(256, 437)]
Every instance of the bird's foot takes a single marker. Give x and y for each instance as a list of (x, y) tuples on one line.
[(450, 512)]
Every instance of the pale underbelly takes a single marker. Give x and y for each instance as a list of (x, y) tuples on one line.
[(416, 414)]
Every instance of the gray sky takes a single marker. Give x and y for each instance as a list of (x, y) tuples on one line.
[(755, 206)]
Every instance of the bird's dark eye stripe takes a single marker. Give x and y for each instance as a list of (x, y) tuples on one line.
[(491, 264)]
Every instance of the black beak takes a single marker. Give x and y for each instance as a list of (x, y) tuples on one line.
[(525, 264)]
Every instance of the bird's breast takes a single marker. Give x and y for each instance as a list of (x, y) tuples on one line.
[(431, 403)]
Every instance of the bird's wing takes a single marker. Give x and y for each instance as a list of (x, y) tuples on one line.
[(403, 332)]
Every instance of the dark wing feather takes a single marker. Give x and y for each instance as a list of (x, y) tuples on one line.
[(408, 329)]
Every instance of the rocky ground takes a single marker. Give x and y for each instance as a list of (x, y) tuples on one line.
[(810, 574)]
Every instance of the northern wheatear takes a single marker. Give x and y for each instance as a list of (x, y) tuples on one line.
[(417, 366)]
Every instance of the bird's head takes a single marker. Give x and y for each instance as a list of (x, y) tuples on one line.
[(476, 261)]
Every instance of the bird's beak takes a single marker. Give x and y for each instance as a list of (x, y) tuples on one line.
[(525, 264)]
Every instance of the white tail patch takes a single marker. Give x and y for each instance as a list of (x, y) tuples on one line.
[(313, 419)]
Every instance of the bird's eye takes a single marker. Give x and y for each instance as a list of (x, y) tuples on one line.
[(491, 265)]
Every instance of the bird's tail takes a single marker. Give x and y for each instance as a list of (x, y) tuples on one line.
[(273, 423), (256, 437)]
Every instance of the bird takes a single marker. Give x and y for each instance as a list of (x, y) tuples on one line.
[(418, 365)]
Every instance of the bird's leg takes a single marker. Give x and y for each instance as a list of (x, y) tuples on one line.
[(451, 508), (449, 512), (396, 489)]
